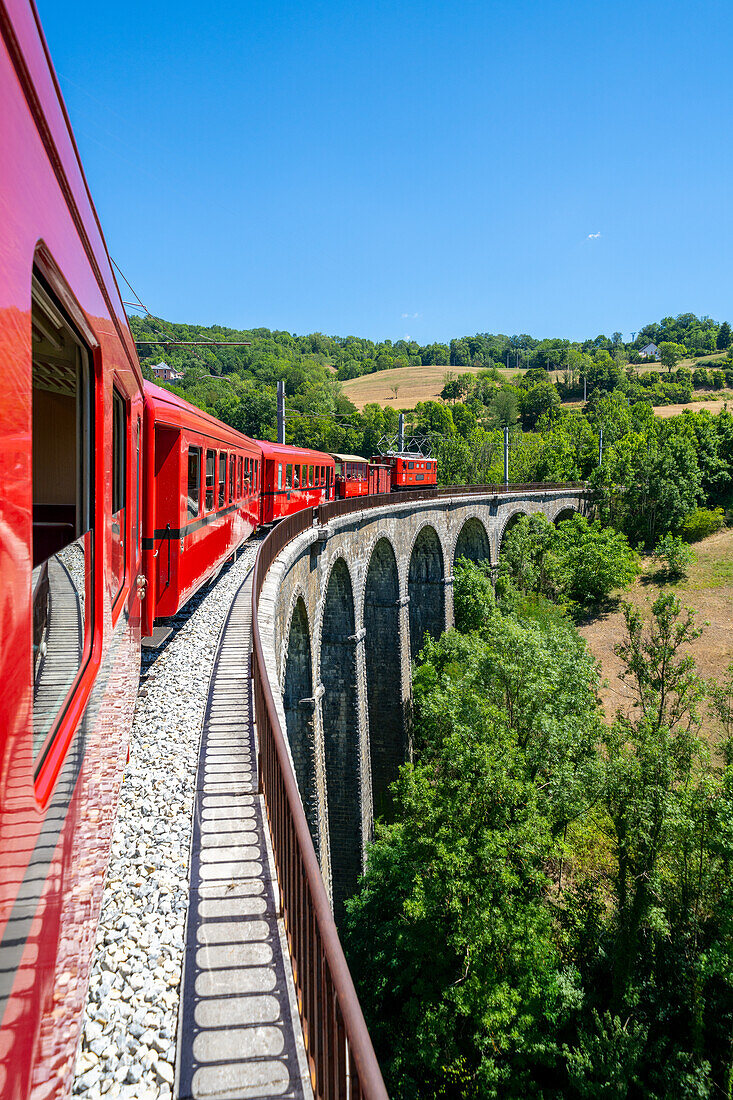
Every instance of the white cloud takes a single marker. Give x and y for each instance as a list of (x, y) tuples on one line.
[(594, 236), (413, 316)]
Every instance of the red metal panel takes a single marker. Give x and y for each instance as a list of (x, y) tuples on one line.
[(55, 821)]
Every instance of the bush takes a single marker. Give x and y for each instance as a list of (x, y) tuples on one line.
[(701, 523), (672, 556)]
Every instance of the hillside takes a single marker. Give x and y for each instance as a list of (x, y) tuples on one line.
[(708, 590), (402, 387)]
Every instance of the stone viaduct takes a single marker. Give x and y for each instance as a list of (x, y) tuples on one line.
[(343, 609)]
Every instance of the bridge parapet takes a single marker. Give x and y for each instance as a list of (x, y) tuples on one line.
[(343, 598)]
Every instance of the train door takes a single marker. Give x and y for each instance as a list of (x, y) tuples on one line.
[(167, 501)]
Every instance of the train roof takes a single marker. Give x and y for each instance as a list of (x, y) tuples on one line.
[(349, 458), (169, 408), (283, 450)]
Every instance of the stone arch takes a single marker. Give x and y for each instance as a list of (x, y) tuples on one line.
[(387, 743), (566, 512), (513, 519), (426, 588), (299, 707), (340, 715), (473, 541)]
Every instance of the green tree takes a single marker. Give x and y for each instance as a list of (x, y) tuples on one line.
[(538, 401), (648, 755), (671, 353), (504, 408), (723, 338)]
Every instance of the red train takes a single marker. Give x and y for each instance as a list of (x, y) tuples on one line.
[(119, 501)]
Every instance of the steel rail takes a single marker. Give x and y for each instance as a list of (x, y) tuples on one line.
[(341, 1059)]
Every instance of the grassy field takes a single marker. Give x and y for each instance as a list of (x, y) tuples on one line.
[(402, 387), (712, 406), (708, 590)]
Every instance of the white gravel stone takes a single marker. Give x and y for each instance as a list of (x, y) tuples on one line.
[(127, 1047)]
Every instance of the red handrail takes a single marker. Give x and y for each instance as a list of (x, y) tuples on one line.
[(341, 1058)]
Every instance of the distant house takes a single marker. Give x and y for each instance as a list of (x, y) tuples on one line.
[(163, 373), (649, 351)]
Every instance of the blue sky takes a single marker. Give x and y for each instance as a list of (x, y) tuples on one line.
[(422, 169)]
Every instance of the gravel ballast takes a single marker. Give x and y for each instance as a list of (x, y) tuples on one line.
[(129, 1033)]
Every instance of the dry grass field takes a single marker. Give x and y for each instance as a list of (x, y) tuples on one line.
[(708, 590), (664, 411), (402, 387)]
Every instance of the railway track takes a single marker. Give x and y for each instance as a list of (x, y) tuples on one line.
[(131, 1020)]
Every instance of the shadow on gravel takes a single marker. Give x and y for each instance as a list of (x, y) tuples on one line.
[(148, 657)]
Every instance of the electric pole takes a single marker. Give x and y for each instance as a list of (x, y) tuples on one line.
[(281, 412)]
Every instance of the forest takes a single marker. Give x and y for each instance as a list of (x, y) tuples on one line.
[(547, 909)]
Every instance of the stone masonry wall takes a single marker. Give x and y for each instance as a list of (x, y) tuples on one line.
[(361, 585)]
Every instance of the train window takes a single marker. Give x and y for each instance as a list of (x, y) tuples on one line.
[(119, 439), (328, 480), (62, 446), (194, 482), (222, 479), (289, 476), (135, 531), (311, 479), (119, 486), (296, 477), (279, 475), (232, 474), (410, 465), (257, 471), (210, 476), (240, 489)]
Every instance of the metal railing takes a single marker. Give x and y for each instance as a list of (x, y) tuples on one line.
[(341, 1059)]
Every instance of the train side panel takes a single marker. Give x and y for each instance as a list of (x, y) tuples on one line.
[(202, 499), (70, 429), (294, 478)]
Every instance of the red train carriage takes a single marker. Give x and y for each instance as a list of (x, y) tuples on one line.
[(70, 437), (352, 476), (294, 478), (410, 471), (380, 477), (201, 499)]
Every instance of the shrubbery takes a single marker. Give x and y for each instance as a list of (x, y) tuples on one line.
[(701, 523), (672, 557), (577, 561)]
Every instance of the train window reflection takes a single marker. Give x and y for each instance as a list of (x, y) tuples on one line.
[(119, 486), (61, 580), (222, 479), (194, 481), (210, 475)]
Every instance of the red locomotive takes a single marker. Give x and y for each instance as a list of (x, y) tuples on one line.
[(409, 471)]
